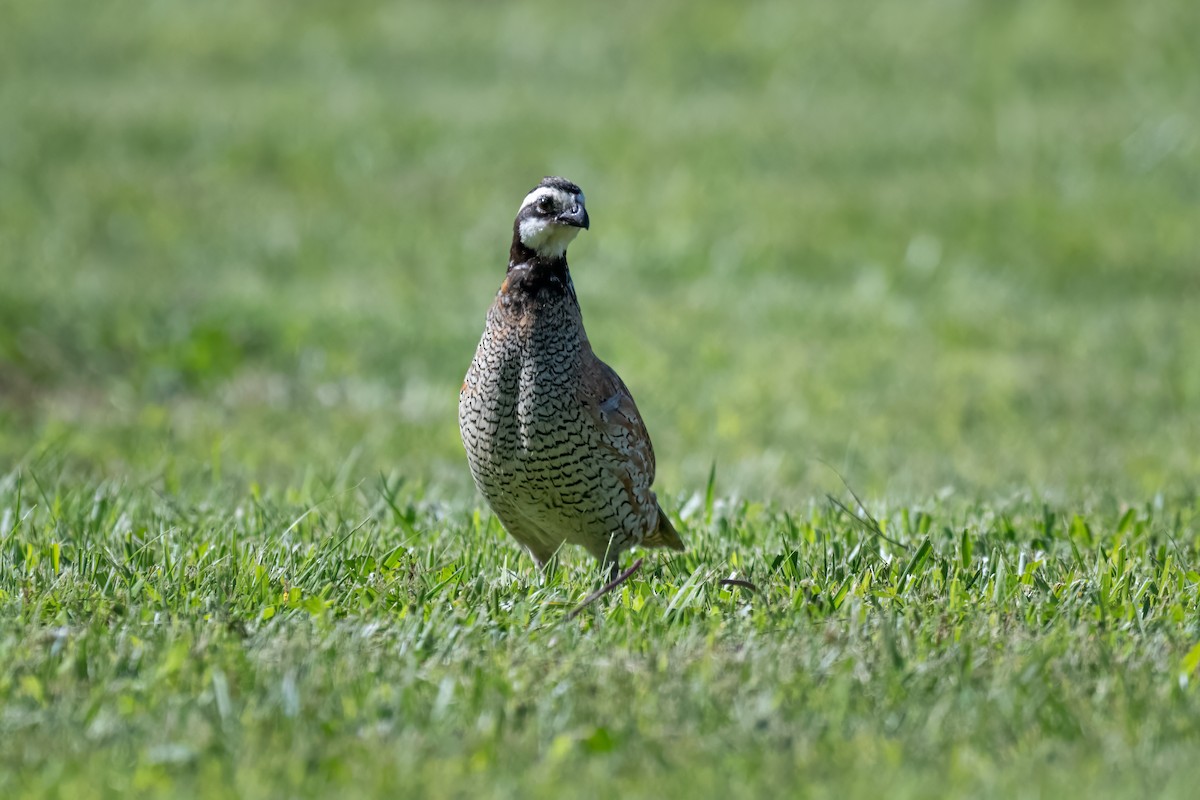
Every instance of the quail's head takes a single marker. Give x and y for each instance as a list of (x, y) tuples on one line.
[(550, 217)]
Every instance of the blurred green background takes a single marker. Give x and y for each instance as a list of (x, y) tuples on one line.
[(932, 244)]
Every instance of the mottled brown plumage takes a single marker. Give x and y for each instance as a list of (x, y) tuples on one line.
[(553, 438)]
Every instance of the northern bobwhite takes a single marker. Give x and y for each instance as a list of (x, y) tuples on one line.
[(553, 437)]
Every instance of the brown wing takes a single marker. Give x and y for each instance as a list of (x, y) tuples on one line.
[(610, 406)]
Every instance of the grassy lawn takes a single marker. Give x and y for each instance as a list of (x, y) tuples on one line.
[(946, 250)]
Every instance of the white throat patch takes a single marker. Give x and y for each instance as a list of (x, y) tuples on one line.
[(547, 237)]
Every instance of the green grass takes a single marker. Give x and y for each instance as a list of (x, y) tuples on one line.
[(327, 640), (946, 249)]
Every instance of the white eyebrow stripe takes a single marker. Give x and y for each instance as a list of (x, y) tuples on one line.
[(538, 194), (565, 199)]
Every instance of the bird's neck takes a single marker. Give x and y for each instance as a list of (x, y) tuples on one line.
[(530, 273)]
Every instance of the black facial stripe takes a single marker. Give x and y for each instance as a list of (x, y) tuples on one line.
[(533, 208), (530, 211)]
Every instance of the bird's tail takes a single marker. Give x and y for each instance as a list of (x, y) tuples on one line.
[(664, 534)]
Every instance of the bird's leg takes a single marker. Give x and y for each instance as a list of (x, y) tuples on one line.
[(612, 560), (606, 588), (548, 569), (546, 561)]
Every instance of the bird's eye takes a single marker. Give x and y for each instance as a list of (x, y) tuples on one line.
[(545, 205)]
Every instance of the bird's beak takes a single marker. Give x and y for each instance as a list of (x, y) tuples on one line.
[(576, 216)]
